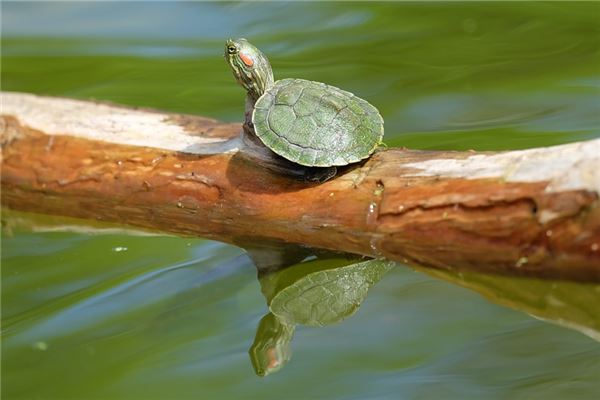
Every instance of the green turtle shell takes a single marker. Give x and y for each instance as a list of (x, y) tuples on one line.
[(316, 125)]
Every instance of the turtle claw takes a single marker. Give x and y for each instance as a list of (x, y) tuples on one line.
[(319, 174)]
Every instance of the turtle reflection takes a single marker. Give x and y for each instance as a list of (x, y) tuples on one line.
[(314, 293)]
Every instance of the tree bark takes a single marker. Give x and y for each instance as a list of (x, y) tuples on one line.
[(530, 212)]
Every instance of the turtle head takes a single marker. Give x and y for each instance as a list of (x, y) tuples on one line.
[(250, 66)]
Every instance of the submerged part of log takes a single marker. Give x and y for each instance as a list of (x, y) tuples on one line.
[(533, 212)]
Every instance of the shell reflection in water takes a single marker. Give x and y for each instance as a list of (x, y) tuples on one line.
[(313, 293)]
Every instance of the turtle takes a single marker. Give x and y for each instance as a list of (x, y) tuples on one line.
[(315, 126)]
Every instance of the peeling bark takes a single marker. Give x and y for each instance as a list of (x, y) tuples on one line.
[(532, 212)]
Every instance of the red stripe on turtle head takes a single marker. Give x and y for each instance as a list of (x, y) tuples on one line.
[(246, 59)]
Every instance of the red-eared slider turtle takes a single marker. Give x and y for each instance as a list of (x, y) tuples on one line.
[(308, 123)]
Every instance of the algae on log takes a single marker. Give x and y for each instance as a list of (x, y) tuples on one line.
[(530, 212)]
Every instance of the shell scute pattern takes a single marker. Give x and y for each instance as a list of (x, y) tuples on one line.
[(327, 112), (305, 106), (290, 95), (302, 129), (315, 124), (285, 121)]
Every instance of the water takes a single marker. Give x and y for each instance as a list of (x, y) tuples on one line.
[(114, 315)]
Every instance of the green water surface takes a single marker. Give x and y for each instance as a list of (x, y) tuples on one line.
[(116, 315)]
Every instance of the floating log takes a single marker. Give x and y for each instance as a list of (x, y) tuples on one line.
[(532, 212)]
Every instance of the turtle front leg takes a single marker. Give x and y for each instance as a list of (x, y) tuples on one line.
[(319, 174), (248, 125)]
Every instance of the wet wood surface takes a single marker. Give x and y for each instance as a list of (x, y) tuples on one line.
[(533, 212)]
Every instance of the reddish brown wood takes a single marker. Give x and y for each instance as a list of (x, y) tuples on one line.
[(375, 209)]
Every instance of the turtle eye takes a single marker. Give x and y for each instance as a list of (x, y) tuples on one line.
[(231, 49)]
